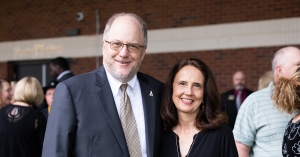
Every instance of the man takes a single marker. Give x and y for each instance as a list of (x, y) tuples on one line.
[(232, 99), (59, 69), (87, 114), (260, 126)]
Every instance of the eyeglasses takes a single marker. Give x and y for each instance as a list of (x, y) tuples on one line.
[(118, 46)]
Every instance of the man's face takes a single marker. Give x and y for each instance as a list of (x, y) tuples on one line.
[(123, 65), (239, 81), (54, 70)]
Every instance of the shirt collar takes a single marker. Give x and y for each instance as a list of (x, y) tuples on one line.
[(115, 84), (62, 74)]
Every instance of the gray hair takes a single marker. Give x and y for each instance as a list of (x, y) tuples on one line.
[(139, 19)]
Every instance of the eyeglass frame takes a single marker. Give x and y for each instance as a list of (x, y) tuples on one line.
[(110, 42)]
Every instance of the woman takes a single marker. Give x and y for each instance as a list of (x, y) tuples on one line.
[(287, 99), (49, 94), (5, 92), (193, 123), (22, 126)]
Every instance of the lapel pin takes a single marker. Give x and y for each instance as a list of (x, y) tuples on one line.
[(151, 94)]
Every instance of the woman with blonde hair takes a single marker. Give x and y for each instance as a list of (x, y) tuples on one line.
[(22, 126), (5, 92), (287, 99)]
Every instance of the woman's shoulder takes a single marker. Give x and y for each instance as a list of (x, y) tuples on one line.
[(222, 129), (168, 133)]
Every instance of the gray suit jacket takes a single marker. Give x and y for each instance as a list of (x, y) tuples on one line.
[(84, 122)]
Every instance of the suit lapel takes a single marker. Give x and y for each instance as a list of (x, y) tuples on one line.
[(148, 98), (107, 103)]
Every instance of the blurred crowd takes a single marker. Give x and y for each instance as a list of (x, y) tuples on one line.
[(117, 111)]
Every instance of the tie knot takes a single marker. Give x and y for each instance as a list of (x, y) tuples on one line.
[(123, 87)]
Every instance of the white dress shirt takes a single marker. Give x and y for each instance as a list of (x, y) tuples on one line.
[(62, 74), (134, 92)]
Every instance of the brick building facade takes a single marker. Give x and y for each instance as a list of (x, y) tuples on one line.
[(35, 20)]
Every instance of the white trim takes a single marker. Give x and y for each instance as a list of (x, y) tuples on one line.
[(265, 33), (226, 36)]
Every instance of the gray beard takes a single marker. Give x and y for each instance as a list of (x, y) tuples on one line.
[(122, 78), (239, 87)]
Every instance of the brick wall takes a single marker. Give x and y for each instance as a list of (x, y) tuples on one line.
[(6, 70), (33, 19), (253, 62)]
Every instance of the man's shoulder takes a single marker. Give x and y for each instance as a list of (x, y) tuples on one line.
[(257, 99), (229, 92), (82, 78), (248, 91), (148, 79), (263, 93)]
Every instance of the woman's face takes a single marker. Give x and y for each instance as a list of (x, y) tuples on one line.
[(6, 94), (49, 96), (188, 89)]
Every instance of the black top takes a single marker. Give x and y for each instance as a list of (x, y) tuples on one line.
[(22, 131), (291, 140), (212, 143)]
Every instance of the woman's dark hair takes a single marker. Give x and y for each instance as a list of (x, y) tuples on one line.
[(209, 115)]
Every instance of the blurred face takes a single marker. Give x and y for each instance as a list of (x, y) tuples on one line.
[(54, 70), (123, 65), (239, 81), (6, 94), (188, 89), (49, 96)]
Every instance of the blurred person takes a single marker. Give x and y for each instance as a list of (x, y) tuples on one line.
[(232, 99), (265, 79), (49, 94), (12, 85), (260, 126), (22, 126), (60, 69), (190, 110), (287, 99), (112, 111), (5, 92)]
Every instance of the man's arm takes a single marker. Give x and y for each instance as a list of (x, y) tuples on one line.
[(243, 149), (61, 126)]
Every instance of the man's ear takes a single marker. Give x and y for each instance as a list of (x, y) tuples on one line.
[(143, 53), (279, 70), (103, 46)]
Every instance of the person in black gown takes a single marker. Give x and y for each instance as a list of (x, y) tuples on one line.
[(22, 126), (49, 95), (192, 121), (287, 99)]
